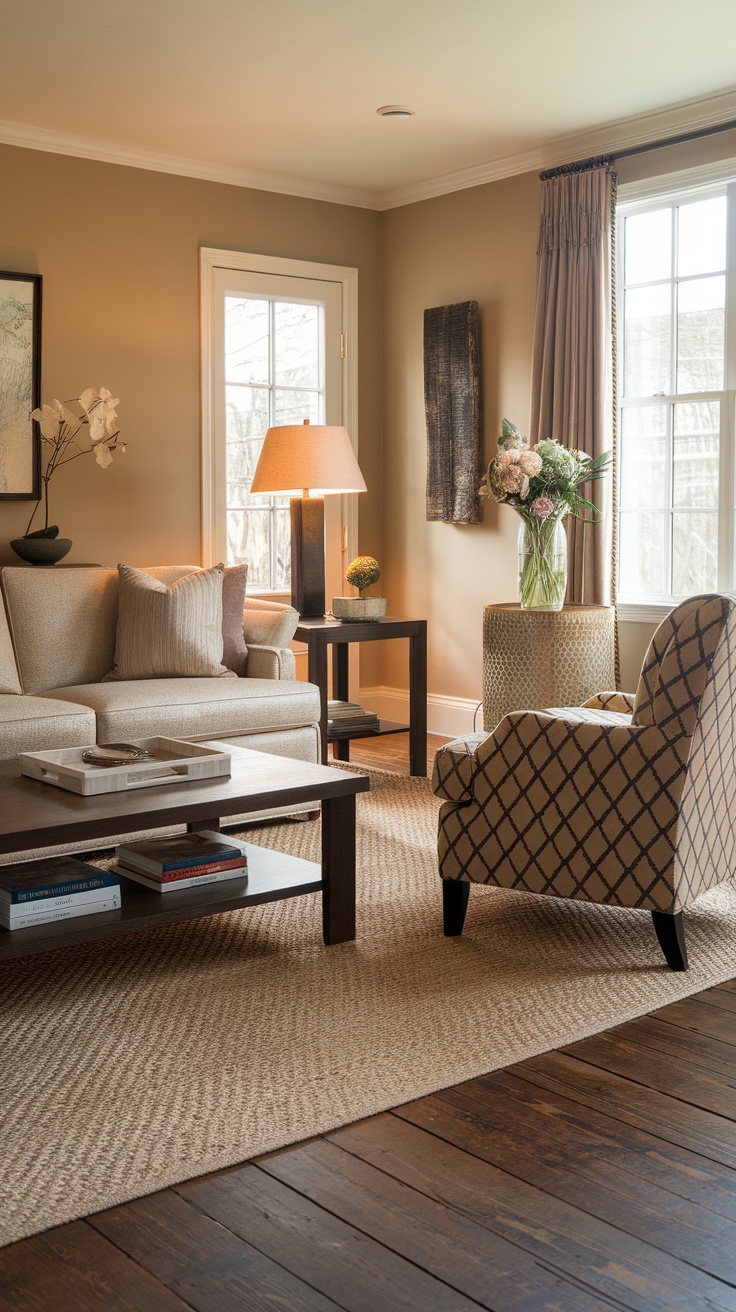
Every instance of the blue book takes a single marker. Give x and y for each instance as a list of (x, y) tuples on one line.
[(159, 855), (54, 876)]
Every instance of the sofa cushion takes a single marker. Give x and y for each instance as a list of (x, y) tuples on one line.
[(234, 650), (194, 708), (9, 677), (36, 724), (62, 622), (169, 631)]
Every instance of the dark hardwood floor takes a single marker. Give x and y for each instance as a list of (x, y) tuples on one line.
[(599, 1176)]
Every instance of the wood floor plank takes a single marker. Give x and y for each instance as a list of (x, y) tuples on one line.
[(210, 1268), (74, 1269), (716, 997), (657, 1070), (391, 752), (322, 1250), (687, 1046), (565, 1163), (702, 1132), (468, 1257), (610, 1263), (693, 1014), (709, 1185)]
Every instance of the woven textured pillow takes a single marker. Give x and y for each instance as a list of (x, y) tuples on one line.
[(173, 632), (234, 650)]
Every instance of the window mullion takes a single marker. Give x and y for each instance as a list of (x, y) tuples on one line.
[(271, 421), (727, 461), (674, 339), (669, 496), (725, 493)]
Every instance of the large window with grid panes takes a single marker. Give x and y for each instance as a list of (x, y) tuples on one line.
[(677, 336)]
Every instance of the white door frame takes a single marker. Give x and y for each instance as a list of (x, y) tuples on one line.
[(212, 258)]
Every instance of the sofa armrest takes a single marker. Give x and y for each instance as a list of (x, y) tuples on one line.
[(270, 662), (268, 623)]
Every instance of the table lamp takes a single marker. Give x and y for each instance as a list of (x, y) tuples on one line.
[(307, 462)]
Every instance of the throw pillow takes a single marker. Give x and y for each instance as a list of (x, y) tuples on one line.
[(234, 650), (169, 632)]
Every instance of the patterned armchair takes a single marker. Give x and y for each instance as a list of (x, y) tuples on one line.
[(626, 801)]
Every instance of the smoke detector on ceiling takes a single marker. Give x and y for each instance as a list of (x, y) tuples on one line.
[(395, 111)]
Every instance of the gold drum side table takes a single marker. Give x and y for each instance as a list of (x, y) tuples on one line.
[(538, 658)]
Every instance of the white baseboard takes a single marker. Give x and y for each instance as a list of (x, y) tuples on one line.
[(448, 716)]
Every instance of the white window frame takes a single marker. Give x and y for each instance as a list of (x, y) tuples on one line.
[(650, 194), (210, 260)]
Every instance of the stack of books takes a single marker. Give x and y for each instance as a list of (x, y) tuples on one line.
[(170, 864), (56, 888), (349, 720)]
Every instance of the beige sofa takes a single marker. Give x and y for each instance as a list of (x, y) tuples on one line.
[(57, 642)]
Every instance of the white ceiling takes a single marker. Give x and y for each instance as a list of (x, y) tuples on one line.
[(284, 95)]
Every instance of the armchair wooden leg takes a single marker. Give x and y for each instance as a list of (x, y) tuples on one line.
[(670, 931), (455, 895)]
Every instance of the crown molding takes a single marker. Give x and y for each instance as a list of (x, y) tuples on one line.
[(703, 177), (63, 143), (690, 116)]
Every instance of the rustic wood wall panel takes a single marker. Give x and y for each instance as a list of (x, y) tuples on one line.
[(452, 402)]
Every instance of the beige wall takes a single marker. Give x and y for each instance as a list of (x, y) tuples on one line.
[(477, 244), (118, 250), (472, 245)]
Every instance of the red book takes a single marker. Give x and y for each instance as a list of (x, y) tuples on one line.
[(186, 872)]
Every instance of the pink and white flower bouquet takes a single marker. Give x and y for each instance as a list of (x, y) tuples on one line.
[(542, 484)]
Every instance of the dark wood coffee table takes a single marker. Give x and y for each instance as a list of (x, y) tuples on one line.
[(34, 814)]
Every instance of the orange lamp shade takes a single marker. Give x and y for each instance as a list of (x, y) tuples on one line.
[(307, 460)]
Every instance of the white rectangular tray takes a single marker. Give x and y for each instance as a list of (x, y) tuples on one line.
[(176, 762)]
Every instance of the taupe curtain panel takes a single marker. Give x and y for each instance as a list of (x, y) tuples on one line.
[(573, 357)]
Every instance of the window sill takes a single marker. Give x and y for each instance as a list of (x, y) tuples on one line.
[(643, 612), (283, 597)]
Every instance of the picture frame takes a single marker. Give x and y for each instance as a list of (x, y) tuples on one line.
[(20, 386)]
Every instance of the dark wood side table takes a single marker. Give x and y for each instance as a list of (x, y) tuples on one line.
[(319, 634)]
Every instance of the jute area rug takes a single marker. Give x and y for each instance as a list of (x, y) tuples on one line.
[(131, 1064)]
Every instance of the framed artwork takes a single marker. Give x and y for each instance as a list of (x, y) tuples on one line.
[(20, 385)]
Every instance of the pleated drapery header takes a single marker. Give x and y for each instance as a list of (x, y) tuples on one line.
[(576, 209)]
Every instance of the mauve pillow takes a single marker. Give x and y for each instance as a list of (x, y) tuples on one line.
[(234, 650)]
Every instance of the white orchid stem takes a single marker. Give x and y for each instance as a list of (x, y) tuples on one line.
[(60, 449)]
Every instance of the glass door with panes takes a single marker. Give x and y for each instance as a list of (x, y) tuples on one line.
[(277, 360)]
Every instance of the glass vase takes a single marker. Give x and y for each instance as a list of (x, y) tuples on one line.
[(542, 562)]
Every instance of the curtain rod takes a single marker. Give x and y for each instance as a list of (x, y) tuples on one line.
[(600, 161)]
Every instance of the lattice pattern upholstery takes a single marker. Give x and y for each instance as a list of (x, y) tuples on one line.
[(454, 768), (621, 702), (597, 804)]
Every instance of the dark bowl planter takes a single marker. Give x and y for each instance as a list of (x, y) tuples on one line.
[(41, 551)]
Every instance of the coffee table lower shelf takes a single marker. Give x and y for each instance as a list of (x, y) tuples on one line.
[(271, 877)]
